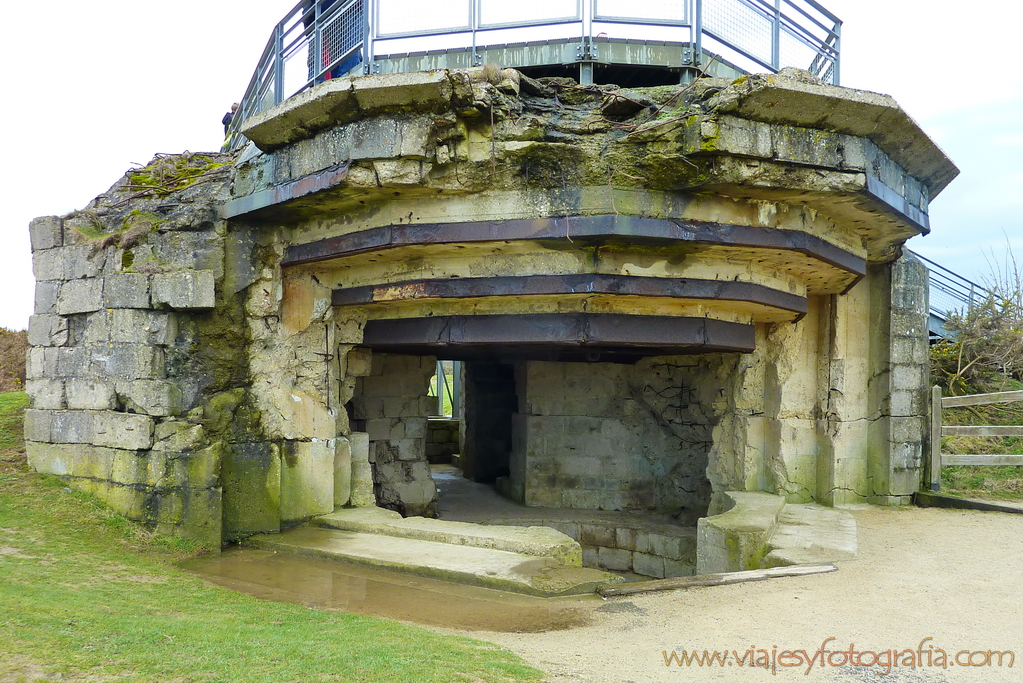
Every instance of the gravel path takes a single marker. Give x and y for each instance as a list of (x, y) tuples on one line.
[(949, 575)]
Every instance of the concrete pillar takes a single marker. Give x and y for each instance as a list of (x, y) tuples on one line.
[(900, 378)]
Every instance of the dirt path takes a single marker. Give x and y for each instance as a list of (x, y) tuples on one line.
[(953, 576)]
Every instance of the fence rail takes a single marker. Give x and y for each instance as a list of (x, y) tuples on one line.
[(938, 430), (322, 39)]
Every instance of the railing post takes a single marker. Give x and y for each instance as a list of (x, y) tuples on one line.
[(475, 10), (278, 64), (776, 37), (369, 21), (317, 45), (440, 385), (935, 460), (456, 388), (698, 34), (836, 79), (585, 50)]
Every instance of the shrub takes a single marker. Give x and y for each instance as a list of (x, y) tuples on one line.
[(984, 351), (13, 348)]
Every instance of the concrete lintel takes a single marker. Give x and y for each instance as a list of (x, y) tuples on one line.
[(897, 203), (324, 105), (342, 100)]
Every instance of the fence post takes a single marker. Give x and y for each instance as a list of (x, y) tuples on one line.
[(935, 466)]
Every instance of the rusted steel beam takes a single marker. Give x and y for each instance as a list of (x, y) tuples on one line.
[(312, 183), (582, 231), (569, 336), (586, 283)]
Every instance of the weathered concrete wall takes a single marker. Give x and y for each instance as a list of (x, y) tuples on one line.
[(832, 409), (214, 376), (900, 380)]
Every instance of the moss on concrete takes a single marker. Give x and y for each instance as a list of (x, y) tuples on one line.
[(738, 539)]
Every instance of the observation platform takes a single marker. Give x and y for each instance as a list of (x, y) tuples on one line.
[(627, 43)]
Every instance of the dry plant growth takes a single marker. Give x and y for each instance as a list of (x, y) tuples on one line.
[(13, 347), (984, 354)]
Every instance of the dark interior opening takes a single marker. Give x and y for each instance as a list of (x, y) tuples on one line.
[(490, 402), (626, 76)]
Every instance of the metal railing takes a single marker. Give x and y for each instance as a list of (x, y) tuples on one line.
[(322, 39), (316, 41), (777, 33), (950, 292)]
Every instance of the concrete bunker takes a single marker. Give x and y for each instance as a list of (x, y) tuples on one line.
[(666, 300)]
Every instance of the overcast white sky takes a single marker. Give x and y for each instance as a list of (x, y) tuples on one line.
[(95, 86)]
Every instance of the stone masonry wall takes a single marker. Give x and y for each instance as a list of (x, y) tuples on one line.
[(171, 375), (442, 437), (900, 380), (616, 437), (117, 372), (393, 404)]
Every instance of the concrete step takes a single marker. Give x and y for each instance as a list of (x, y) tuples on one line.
[(485, 567), (811, 534), (539, 541)]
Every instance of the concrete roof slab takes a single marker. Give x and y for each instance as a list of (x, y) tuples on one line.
[(779, 99), (297, 117)]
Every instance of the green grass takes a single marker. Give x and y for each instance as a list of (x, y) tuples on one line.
[(88, 595), (446, 389), (998, 482)]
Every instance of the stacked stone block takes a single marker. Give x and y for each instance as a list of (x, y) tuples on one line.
[(442, 436), (105, 414), (594, 436), (906, 381), (357, 363), (655, 552), (623, 545), (392, 403)]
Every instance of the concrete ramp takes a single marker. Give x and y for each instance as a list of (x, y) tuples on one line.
[(539, 541), (479, 566)]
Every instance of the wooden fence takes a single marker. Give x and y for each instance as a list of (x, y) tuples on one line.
[(938, 430)]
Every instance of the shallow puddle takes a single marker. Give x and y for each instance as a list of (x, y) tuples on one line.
[(332, 585)]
